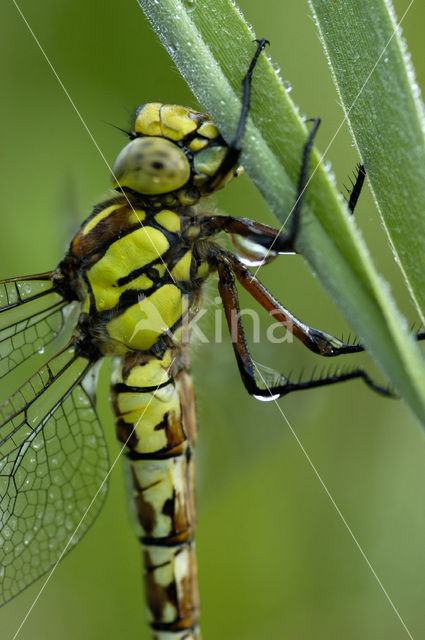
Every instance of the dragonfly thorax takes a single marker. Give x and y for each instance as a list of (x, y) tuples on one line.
[(137, 273)]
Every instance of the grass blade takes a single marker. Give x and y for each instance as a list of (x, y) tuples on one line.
[(376, 83)]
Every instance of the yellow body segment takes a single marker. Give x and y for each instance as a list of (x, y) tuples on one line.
[(140, 326), (139, 248)]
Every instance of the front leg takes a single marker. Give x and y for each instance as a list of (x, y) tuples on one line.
[(261, 234), (271, 239)]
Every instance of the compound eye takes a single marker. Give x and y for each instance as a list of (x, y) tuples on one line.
[(151, 166)]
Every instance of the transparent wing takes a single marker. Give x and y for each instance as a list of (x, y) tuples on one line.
[(32, 313), (53, 460)]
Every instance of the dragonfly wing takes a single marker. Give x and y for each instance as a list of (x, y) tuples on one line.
[(53, 464), (32, 313)]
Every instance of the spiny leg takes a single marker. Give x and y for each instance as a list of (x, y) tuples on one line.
[(234, 150), (229, 296), (357, 187), (246, 96), (302, 183), (316, 340)]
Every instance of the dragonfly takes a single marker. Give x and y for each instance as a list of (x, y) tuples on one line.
[(130, 288)]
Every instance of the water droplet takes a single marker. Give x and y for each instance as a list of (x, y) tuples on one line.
[(190, 5), (288, 86), (267, 398), (40, 350)]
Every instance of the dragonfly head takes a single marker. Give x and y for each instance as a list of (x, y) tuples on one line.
[(174, 152)]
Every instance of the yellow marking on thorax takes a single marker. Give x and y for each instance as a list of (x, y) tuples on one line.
[(181, 270), (135, 250), (203, 270), (136, 216), (108, 298), (150, 374), (169, 220), (140, 326)]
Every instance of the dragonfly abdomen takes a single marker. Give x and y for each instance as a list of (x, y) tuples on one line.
[(153, 404)]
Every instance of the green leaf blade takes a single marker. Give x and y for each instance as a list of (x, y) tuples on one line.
[(376, 83)]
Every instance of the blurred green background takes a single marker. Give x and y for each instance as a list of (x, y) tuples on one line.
[(275, 559)]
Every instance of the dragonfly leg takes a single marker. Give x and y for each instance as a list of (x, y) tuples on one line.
[(357, 187), (263, 235), (247, 367), (302, 185), (268, 237), (316, 340), (234, 149)]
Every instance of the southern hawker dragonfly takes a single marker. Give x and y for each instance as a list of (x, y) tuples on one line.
[(75, 445)]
